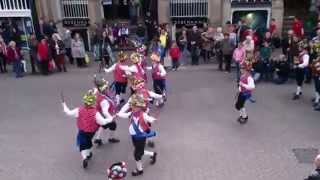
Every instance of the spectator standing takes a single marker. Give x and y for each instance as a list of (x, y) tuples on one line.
[(297, 27), (44, 56), (14, 56), (175, 56), (141, 33), (316, 174), (105, 46), (273, 27), (219, 37), (59, 52), (208, 43), (239, 56), (265, 54), (33, 53), (164, 38), (227, 48), (194, 45), (3, 56), (249, 47), (67, 43), (78, 50)]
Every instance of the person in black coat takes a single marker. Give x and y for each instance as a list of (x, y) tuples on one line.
[(194, 41), (282, 69)]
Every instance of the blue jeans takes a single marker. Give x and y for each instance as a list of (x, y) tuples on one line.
[(17, 68)]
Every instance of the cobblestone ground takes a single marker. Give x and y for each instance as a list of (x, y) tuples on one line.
[(199, 138)]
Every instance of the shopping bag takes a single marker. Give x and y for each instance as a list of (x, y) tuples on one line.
[(24, 65), (167, 61), (86, 59), (52, 65)]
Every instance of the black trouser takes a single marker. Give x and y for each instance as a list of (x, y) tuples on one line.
[(206, 55), (308, 74), (175, 63), (240, 101), (112, 126), (33, 62), (219, 58), (3, 63), (139, 145), (120, 87), (106, 60), (80, 62), (44, 67), (194, 55), (316, 80), (227, 60), (85, 140), (300, 73), (69, 55)]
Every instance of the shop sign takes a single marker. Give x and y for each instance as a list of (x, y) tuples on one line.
[(76, 22)]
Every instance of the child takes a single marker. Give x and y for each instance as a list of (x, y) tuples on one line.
[(175, 55), (265, 54), (246, 86), (282, 69)]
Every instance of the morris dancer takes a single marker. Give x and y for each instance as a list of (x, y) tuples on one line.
[(300, 66), (107, 107), (139, 130), (120, 77), (246, 86), (142, 51), (315, 67), (136, 69), (88, 122), (159, 77)]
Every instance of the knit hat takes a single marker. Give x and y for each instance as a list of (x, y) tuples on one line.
[(155, 57), (117, 171), (137, 101), (122, 57), (135, 58), (89, 99), (137, 82), (101, 83)]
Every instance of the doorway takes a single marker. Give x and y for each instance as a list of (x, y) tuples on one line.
[(296, 7), (116, 9)]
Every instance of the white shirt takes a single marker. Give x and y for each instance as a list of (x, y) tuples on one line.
[(250, 86), (146, 117), (110, 69), (75, 114), (105, 109), (162, 70), (305, 62), (126, 107)]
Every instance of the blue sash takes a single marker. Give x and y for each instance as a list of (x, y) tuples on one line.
[(142, 135)]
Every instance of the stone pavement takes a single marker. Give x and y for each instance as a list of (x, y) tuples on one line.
[(199, 137)]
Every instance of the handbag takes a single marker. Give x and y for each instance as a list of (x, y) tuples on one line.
[(86, 58), (52, 65)]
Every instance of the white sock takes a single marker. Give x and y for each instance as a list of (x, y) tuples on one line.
[(147, 111), (148, 153), (298, 90), (99, 133), (139, 165), (317, 98), (111, 134), (84, 154), (243, 112)]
